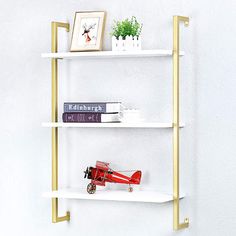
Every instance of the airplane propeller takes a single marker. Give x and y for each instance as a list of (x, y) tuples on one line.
[(86, 173)]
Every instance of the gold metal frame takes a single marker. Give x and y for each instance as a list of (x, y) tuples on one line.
[(176, 23), (54, 30)]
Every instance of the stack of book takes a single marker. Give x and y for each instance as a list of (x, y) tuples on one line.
[(96, 112)]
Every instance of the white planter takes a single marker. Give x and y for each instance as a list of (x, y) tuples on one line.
[(128, 44)]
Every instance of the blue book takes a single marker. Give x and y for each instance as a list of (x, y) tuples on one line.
[(98, 107)]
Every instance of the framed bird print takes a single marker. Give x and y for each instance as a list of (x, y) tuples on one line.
[(88, 31)]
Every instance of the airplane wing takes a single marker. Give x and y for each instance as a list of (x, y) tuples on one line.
[(102, 165)]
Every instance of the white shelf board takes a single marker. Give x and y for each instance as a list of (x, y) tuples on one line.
[(110, 54), (112, 195), (110, 125)]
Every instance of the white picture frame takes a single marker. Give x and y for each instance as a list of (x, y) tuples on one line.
[(88, 30)]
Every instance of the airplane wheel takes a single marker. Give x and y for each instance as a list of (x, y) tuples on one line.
[(130, 189), (91, 188)]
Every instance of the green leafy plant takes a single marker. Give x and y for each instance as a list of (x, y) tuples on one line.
[(127, 27)]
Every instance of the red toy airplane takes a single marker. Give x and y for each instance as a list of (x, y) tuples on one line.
[(102, 174)]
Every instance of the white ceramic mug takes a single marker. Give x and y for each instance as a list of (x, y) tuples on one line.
[(131, 115)]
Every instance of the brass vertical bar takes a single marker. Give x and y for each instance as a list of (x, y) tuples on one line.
[(176, 223), (54, 115), (54, 119), (176, 121)]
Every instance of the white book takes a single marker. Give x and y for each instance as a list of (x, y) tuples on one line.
[(110, 118), (87, 117)]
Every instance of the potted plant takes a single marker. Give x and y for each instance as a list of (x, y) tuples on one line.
[(126, 35)]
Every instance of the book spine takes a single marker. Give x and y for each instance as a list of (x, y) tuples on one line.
[(82, 117), (85, 107)]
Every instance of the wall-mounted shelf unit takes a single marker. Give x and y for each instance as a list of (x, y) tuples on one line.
[(175, 125)]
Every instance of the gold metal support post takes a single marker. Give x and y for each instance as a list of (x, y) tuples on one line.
[(176, 22), (55, 217)]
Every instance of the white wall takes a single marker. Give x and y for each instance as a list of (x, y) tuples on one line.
[(208, 100)]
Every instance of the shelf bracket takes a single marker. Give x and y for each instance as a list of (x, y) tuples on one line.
[(54, 65), (176, 22)]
